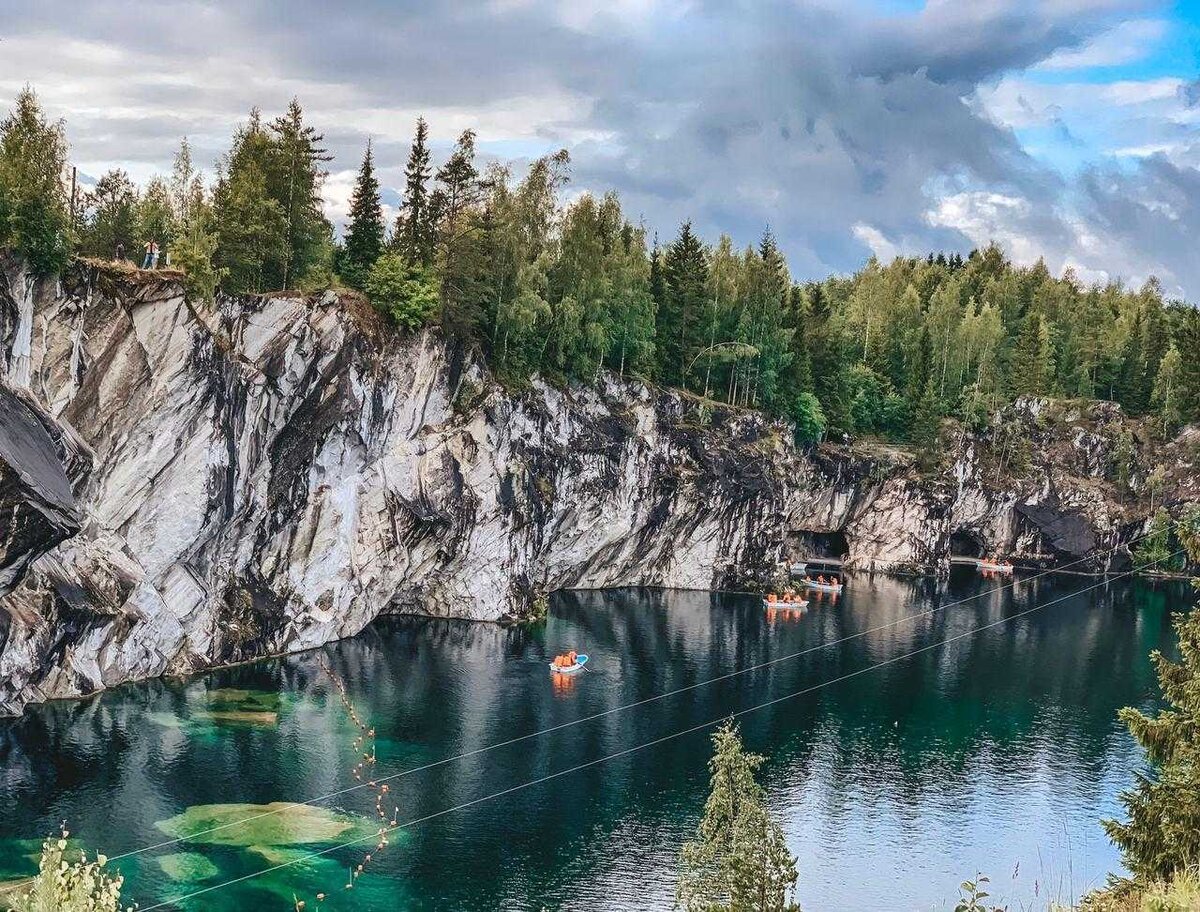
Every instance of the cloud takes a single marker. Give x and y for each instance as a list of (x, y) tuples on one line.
[(847, 131), (1127, 43)]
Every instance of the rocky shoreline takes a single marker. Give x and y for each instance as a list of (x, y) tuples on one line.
[(184, 485)]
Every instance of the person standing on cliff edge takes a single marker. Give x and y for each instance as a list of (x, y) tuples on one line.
[(151, 260)]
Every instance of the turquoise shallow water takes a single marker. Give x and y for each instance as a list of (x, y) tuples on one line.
[(999, 752)]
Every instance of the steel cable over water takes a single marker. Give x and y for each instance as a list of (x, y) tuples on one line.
[(678, 734), (643, 702), (616, 709)]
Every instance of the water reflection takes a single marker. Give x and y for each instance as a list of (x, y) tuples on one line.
[(994, 751)]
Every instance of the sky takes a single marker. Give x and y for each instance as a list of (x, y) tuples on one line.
[(1061, 129)]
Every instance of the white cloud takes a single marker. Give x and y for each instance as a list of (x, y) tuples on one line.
[(883, 249), (842, 128), (1128, 42)]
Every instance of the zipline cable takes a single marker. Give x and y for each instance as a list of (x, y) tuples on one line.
[(639, 747), (616, 709)]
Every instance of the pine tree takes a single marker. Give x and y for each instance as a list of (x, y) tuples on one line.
[(35, 218), (364, 234), (250, 225), (739, 860), (457, 191), (413, 237)]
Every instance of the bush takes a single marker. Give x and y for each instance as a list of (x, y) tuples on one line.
[(70, 886), (404, 291), (193, 253), (809, 419)]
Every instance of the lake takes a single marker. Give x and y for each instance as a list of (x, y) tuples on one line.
[(997, 752)]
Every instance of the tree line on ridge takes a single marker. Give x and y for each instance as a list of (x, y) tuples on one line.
[(566, 290)]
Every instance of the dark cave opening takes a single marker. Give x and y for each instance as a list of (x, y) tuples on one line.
[(815, 546), (965, 543)]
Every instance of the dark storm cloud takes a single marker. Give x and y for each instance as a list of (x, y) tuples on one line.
[(1151, 213), (841, 127)]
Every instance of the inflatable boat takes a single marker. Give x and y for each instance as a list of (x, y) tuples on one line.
[(580, 661)]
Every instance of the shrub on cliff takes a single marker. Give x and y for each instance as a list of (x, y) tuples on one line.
[(405, 292), (739, 858), (65, 885), (193, 253)]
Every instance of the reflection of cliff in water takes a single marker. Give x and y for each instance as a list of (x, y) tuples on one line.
[(978, 748)]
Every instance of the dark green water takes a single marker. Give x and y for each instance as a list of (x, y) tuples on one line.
[(999, 752)]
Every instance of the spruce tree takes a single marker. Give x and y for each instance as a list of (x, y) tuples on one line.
[(110, 217), (413, 237), (364, 234), (457, 191), (35, 218), (294, 176), (926, 424), (1189, 374), (1162, 835), (685, 271), (739, 860), (460, 226)]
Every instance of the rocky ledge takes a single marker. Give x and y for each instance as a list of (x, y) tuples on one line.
[(185, 484)]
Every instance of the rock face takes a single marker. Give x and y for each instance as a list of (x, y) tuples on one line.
[(265, 474), (37, 508)]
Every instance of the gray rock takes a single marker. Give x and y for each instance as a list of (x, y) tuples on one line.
[(265, 474)]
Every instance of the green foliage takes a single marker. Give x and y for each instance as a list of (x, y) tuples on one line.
[(193, 252), (685, 276), (808, 418), (403, 291), (364, 234), (1162, 834), (1182, 894), (1155, 549), (414, 238), (66, 885), (926, 424), (35, 219), (972, 894), (154, 215), (270, 227), (110, 217), (568, 290), (1168, 393), (739, 860), (874, 406)]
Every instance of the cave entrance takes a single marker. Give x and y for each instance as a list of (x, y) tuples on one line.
[(817, 546), (965, 543)]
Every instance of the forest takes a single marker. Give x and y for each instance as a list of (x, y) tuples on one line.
[(562, 286)]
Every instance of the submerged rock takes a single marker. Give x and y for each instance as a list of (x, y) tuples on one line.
[(276, 824), (265, 474), (187, 867)]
